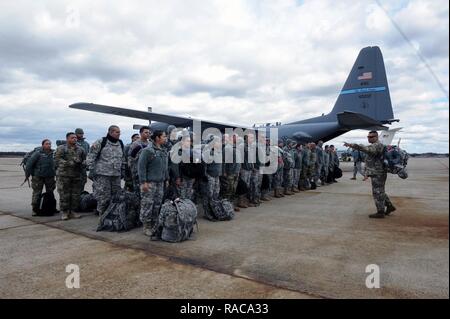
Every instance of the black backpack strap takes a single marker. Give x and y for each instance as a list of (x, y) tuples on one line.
[(122, 146), (102, 146)]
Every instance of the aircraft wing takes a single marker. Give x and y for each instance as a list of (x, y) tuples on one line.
[(178, 121)]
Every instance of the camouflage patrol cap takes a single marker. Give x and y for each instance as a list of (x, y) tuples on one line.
[(79, 131)]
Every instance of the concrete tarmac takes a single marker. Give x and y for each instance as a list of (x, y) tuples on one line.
[(315, 244)]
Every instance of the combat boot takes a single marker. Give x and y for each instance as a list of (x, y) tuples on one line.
[(353, 178), (65, 215), (147, 229), (250, 204), (74, 215), (389, 209), (236, 209), (264, 198), (287, 192), (295, 190), (241, 202), (377, 215), (35, 211)]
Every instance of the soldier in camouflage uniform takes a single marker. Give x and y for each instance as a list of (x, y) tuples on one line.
[(288, 170), (107, 164), (231, 168), (255, 177), (42, 167), (265, 192), (297, 166), (325, 166), (128, 178), (304, 181), (81, 141), (210, 184), (377, 171), (153, 172), (133, 156), (247, 167), (69, 160), (173, 189), (334, 162), (319, 163), (312, 162), (190, 167), (278, 176)]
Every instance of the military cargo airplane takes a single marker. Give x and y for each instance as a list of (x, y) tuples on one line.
[(363, 103)]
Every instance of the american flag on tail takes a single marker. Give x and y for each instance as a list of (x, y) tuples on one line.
[(365, 76)]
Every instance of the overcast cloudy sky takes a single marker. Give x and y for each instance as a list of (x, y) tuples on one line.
[(230, 61)]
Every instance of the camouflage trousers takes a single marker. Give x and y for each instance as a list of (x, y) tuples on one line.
[(317, 173), (378, 191), (311, 172), (69, 192), (296, 177), (304, 177), (210, 188), (246, 177), (288, 178), (304, 172), (83, 179), (324, 173), (186, 188), (105, 187), (37, 184), (136, 183), (255, 186), (278, 179), (151, 202), (270, 183), (228, 185), (129, 186)]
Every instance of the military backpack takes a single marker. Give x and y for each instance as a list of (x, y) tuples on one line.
[(122, 213), (176, 220), (221, 210), (395, 161)]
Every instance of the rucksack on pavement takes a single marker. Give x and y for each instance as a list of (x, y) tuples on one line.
[(47, 205), (176, 220), (122, 213), (88, 202), (221, 210)]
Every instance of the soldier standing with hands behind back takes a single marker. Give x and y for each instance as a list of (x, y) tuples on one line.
[(70, 160)]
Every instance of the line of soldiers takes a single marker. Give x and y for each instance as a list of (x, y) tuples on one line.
[(148, 168)]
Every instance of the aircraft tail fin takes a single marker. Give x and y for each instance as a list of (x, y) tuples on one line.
[(387, 137), (366, 90)]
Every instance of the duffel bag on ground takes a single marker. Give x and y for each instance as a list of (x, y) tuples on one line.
[(176, 220), (221, 209)]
